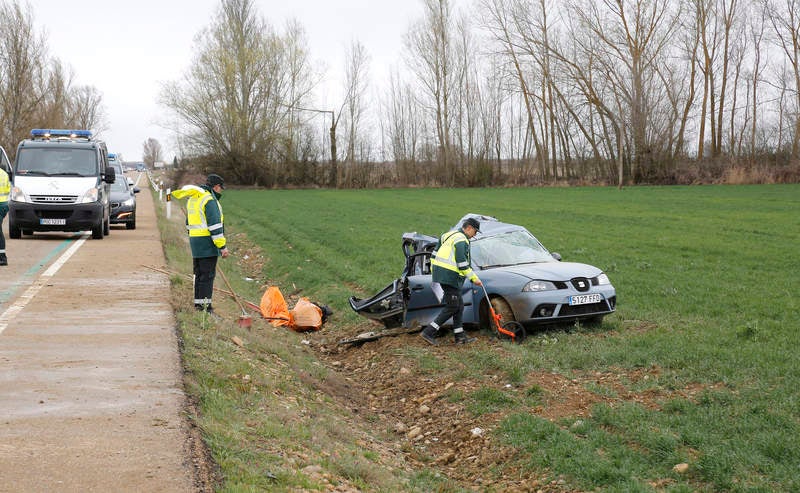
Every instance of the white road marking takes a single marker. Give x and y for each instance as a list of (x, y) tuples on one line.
[(40, 282)]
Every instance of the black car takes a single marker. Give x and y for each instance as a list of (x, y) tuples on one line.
[(123, 203)]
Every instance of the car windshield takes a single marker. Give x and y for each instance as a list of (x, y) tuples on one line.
[(512, 248), (55, 162)]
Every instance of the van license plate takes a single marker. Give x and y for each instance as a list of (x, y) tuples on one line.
[(584, 299), (52, 222)]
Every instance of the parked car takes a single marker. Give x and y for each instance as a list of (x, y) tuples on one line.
[(123, 203), (524, 281)]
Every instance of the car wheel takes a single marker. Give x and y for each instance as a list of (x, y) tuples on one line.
[(13, 231), (27, 232), (97, 232), (131, 224), (107, 227), (502, 308)]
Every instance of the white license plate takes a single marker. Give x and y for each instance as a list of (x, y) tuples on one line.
[(52, 222), (584, 299)]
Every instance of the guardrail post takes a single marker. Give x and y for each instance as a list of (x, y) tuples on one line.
[(169, 203)]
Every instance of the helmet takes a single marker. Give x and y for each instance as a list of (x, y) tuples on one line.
[(471, 221), (214, 179)]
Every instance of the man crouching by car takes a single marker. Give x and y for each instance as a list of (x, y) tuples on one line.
[(450, 267)]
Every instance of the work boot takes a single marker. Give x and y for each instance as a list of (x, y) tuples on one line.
[(463, 338), (3, 259), (429, 334)]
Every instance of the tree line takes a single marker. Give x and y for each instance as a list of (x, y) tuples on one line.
[(515, 92), (38, 90), (487, 92)]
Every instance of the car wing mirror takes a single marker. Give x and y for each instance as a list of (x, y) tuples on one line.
[(556, 256)]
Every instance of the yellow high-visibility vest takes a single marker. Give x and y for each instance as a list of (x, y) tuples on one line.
[(446, 255), (196, 221), (5, 186)]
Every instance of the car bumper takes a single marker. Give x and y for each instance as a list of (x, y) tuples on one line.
[(37, 217), (554, 306), (123, 215)]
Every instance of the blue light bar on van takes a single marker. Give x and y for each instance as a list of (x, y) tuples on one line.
[(111, 155), (44, 133)]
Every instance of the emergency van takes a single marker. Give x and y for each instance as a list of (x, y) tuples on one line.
[(60, 182)]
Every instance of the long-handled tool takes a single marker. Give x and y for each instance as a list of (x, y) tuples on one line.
[(244, 319), (511, 329)]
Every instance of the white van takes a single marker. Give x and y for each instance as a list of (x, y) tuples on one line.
[(60, 182)]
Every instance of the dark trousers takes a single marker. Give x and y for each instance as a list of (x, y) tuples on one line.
[(205, 269), (453, 306), (3, 212)]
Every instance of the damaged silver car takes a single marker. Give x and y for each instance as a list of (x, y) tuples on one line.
[(524, 281)]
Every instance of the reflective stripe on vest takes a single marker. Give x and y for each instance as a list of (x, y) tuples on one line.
[(446, 254)]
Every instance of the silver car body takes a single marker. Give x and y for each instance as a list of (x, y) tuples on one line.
[(521, 277)]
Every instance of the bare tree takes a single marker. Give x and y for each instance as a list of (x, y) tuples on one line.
[(353, 107), (22, 73), (236, 104), (430, 58), (85, 109), (151, 151), (784, 16)]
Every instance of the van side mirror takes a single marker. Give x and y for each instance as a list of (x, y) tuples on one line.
[(110, 175), (556, 256)]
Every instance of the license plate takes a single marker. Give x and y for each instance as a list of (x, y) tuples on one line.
[(584, 299), (52, 222)]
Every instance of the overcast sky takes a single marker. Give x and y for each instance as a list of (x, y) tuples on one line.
[(126, 49)]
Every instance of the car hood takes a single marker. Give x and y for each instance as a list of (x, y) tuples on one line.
[(120, 196), (54, 185), (548, 271)]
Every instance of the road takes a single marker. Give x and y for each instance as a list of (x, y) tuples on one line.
[(91, 392)]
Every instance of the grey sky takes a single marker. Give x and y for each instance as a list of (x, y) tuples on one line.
[(127, 48)]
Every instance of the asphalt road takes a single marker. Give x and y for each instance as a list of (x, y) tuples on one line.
[(91, 392)]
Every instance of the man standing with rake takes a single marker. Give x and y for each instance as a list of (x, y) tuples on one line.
[(204, 222)]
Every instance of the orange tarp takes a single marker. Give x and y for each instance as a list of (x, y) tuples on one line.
[(303, 317)]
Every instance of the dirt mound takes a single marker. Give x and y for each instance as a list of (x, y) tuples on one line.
[(428, 411)]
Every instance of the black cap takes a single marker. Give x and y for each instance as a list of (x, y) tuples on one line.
[(213, 180), (471, 221)]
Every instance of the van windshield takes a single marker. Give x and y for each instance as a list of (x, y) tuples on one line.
[(57, 162)]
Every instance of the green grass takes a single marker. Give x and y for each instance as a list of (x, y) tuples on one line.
[(707, 287)]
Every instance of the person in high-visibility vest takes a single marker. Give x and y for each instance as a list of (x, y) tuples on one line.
[(450, 267), (5, 190), (204, 222)]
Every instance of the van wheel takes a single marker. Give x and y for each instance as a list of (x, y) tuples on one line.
[(13, 231), (97, 232), (106, 227)]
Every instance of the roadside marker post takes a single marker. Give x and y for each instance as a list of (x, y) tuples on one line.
[(169, 203)]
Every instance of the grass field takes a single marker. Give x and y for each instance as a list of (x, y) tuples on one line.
[(706, 280)]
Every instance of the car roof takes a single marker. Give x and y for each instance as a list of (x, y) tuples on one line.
[(490, 225)]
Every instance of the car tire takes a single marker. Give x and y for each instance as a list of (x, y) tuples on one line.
[(502, 308), (27, 232), (14, 232), (107, 227), (97, 232), (131, 224)]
